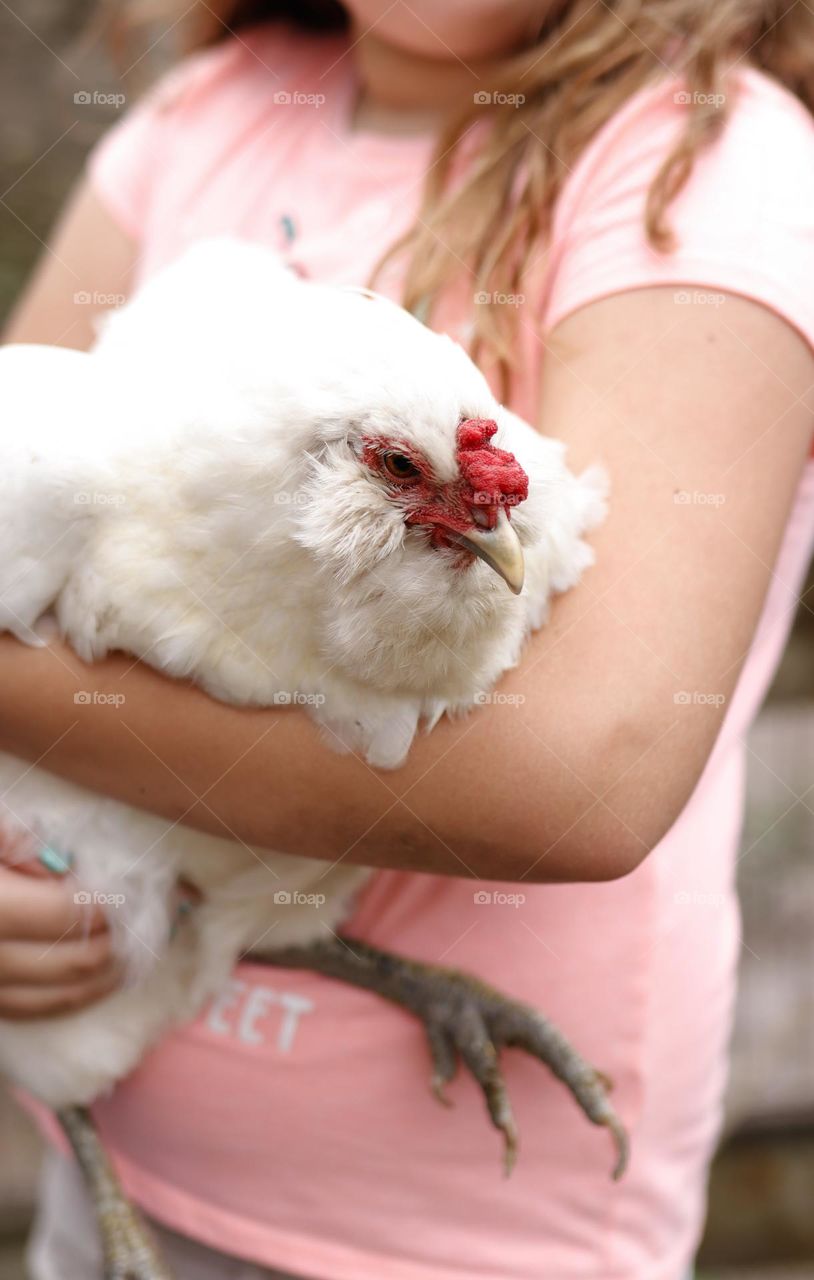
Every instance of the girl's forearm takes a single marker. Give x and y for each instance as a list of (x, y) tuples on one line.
[(267, 778)]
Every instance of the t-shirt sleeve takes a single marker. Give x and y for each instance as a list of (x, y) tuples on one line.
[(134, 155), (743, 224)]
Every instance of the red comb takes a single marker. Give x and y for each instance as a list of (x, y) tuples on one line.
[(494, 475)]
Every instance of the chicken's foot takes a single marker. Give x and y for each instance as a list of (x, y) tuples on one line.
[(129, 1253), (465, 1019)]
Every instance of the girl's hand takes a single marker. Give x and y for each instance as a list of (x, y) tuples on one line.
[(55, 954)]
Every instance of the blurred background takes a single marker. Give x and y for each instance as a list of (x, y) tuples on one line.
[(57, 94)]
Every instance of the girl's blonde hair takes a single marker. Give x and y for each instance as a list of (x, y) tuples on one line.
[(546, 103)]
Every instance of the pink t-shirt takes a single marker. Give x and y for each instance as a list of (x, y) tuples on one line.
[(292, 1123)]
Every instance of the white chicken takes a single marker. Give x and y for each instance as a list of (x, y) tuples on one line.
[(286, 492)]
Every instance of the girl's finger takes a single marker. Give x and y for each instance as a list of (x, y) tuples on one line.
[(46, 910), (22, 851), (23, 1003), (62, 963), (19, 849)]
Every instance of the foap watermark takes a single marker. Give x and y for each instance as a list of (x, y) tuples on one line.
[(695, 498), (84, 898), (93, 698), (697, 698), (291, 497), (686, 99), (484, 297), (289, 698), (284, 98), (488, 498), (699, 298), (84, 298), (98, 499), (487, 98), (496, 699), (497, 898), (697, 898), (296, 898), (96, 98)]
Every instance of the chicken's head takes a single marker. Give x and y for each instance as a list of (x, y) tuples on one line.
[(468, 514), (407, 473)]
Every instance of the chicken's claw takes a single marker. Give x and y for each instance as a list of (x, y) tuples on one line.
[(466, 1020)]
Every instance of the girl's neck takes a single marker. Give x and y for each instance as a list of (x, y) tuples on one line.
[(403, 91)]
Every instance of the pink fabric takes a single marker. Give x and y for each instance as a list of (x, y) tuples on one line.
[(292, 1123)]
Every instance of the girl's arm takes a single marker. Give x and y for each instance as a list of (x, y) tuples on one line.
[(54, 958), (85, 270), (700, 415)]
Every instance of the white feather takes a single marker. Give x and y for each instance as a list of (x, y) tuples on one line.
[(192, 492)]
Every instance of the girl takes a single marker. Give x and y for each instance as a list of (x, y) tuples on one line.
[(614, 204)]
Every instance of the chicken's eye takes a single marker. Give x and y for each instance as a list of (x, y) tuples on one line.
[(401, 468)]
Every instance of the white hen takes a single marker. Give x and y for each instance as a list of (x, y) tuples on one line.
[(286, 492)]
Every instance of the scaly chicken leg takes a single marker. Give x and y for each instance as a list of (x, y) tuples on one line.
[(465, 1018), (129, 1253)]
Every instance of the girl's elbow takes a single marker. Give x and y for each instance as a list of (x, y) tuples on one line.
[(603, 851), (597, 833), (611, 842)]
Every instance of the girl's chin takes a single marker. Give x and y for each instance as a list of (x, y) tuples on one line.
[(445, 29)]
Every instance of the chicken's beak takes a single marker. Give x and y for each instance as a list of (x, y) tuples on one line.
[(500, 548)]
